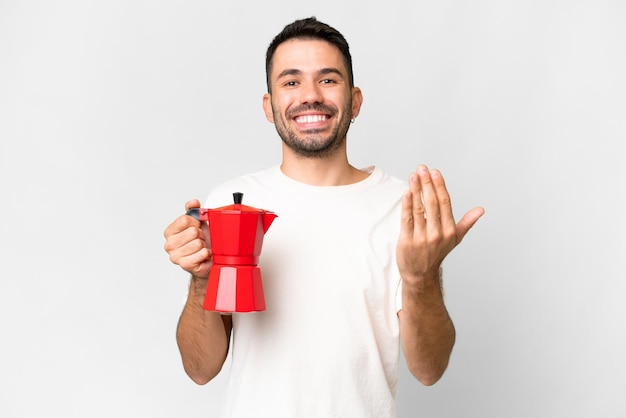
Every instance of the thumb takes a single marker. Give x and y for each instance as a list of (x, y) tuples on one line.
[(467, 222), (195, 203)]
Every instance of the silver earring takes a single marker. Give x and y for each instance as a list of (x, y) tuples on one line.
[(352, 120)]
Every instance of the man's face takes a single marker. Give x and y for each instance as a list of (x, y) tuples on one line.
[(311, 102)]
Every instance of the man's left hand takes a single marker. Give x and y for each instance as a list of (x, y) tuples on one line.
[(428, 231)]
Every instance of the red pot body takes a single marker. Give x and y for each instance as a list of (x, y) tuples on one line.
[(236, 238), (235, 283)]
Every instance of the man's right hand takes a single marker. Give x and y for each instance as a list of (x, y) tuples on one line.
[(187, 242)]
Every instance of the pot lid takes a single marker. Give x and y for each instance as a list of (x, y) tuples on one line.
[(238, 207)]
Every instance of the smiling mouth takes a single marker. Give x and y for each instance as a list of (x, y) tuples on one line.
[(311, 118)]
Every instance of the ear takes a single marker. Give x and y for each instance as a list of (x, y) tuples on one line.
[(267, 107), (357, 101)]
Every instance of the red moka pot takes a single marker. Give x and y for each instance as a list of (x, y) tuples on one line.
[(236, 232)]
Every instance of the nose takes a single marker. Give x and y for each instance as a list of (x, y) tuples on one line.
[(311, 93)]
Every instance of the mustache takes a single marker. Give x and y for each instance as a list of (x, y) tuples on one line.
[(316, 107)]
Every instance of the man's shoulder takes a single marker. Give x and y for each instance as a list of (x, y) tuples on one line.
[(387, 181)]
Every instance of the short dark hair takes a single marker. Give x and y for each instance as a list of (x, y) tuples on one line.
[(309, 28)]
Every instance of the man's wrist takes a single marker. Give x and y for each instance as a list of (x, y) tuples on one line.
[(197, 285), (424, 289), (424, 280)]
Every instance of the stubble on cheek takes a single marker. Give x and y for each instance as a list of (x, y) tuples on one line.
[(311, 142)]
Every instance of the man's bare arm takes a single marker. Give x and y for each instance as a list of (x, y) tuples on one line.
[(428, 234), (203, 336)]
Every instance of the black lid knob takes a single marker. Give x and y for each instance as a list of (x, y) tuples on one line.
[(237, 197)]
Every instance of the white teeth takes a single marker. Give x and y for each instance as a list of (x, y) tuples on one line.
[(310, 118)]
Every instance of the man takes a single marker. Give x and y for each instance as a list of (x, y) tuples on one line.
[(351, 267)]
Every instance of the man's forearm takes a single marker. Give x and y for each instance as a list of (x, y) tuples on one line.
[(426, 328), (203, 336)]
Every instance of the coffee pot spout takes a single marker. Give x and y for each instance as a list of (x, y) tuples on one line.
[(268, 218)]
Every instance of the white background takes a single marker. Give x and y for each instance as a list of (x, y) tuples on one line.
[(114, 113)]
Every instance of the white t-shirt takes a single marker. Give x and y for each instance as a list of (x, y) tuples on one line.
[(328, 344)]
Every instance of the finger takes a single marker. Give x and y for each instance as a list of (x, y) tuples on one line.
[(467, 222), (188, 248), (196, 263), (429, 196), (406, 215), (183, 222), (418, 211), (195, 247), (177, 234), (444, 202), (194, 203), (180, 224)]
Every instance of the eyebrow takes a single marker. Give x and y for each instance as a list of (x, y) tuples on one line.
[(323, 71)]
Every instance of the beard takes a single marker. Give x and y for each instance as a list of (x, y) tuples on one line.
[(313, 144)]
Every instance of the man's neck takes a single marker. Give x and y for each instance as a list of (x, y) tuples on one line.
[(334, 170)]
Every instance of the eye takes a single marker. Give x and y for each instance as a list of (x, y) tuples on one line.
[(327, 81), (290, 83)]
